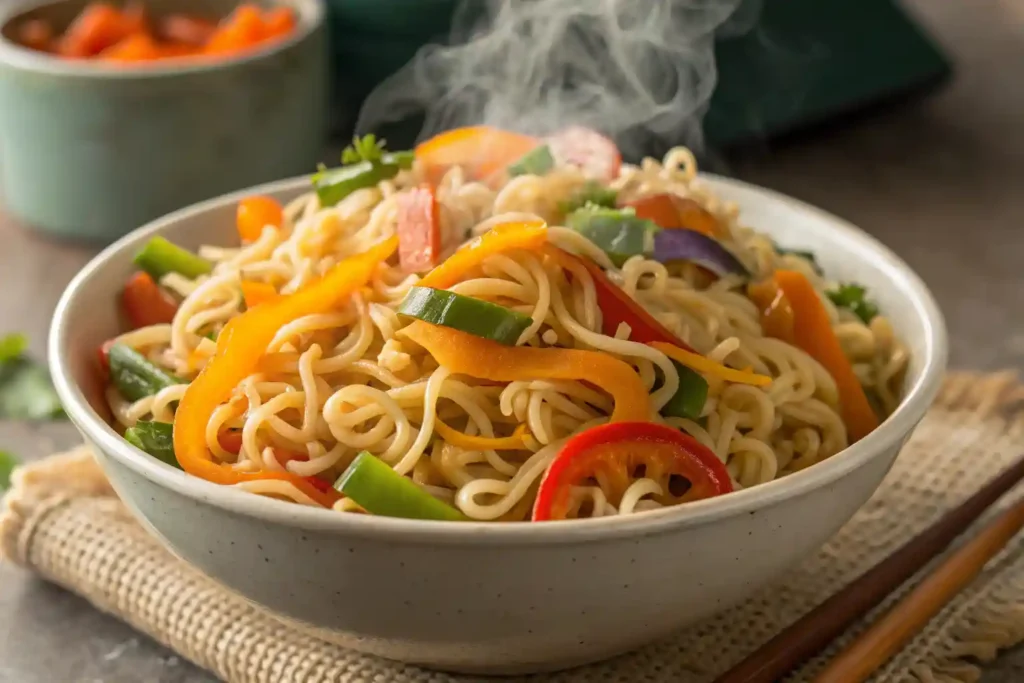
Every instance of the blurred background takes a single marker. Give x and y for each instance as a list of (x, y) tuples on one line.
[(905, 118)]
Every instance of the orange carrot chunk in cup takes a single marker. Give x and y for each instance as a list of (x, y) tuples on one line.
[(181, 28), (37, 34), (98, 27), (240, 31), (278, 22), (135, 48)]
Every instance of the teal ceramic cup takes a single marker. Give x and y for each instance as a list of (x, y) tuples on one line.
[(90, 152)]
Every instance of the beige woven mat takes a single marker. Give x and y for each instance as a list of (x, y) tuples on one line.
[(62, 522)]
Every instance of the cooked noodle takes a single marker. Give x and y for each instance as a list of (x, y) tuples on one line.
[(342, 382)]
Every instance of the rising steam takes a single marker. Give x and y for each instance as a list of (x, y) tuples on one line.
[(641, 71)]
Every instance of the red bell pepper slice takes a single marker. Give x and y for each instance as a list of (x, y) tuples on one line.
[(617, 306), (145, 303), (613, 454), (419, 230)]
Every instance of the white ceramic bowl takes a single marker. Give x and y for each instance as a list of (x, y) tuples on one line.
[(506, 598)]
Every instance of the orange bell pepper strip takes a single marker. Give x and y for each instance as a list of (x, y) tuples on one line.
[(482, 151), (240, 346), (504, 237), (812, 332), (482, 443), (675, 213), (776, 313), (256, 293), (466, 354)]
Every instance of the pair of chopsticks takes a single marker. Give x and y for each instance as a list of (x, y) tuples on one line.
[(813, 632)]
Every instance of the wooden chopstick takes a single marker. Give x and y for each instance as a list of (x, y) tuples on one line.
[(811, 633), (891, 632)]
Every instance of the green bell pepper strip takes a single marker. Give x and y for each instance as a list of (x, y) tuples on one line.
[(591, 194), (155, 438), (379, 490), (537, 161), (335, 184), (464, 313), (134, 376), (619, 234), (690, 397), (160, 257)]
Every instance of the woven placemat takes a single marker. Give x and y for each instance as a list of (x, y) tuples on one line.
[(62, 521)]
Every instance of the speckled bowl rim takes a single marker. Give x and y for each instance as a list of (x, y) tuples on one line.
[(888, 436), (311, 17)]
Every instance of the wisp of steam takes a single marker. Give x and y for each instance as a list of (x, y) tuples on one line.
[(640, 71)]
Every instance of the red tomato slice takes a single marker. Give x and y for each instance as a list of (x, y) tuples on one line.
[(615, 455), (597, 155), (145, 303), (419, 230)]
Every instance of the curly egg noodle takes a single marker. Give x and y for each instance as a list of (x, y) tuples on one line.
[(335, 384)]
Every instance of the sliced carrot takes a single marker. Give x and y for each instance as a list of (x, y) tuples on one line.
[(36, 34), (278, 22), (99, 26), (135, 48), (240, 31), (181, 28), (419, 230), (482, 151), (145, 303), (255, 213), (812, 332), (256, 293), (173, 50)]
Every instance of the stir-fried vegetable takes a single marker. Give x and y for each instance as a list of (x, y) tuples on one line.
[(255, 213), (240, 346), (687, 245), (812, 332), (419, 230), (854, 298), (466, 354), (155, 438), (537, 161), (501, 238), (160, 257), (690, 397), (380, 490), (475, 316), (482, 443), (7, 464), (675, 213), (616, 455), (777, 318), (592, 193), (145, 303), (481, 151), (596, 155), (620, 234), (26, 392), (365, 163), (256, 293), (802, 253), (697, 362), (134, 376)]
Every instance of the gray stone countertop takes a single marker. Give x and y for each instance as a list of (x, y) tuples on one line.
[(941, 181)]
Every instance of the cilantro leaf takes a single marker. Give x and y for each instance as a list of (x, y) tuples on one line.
[(853, 297), (7, 464), (366, 148), (26, 392), (12, 346)]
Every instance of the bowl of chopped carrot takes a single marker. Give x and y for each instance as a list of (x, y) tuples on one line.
[(114, 113)]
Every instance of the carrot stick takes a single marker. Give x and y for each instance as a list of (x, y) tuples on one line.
[(812, 332), (99, 26)]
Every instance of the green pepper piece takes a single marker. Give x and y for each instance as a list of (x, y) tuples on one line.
[(591, 194), (334, 185), (402, 160), (477, 317), (134, 376), (537, 161), (690, 397), (7, 464), (619, 234), (379, 490), (155, 438), (160, 257)]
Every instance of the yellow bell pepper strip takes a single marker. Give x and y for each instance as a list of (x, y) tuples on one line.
[(465, 354), (240, 346), (812, 332), (481, 151), (256, 293), (483, 443), (697, 362), (501, 238)]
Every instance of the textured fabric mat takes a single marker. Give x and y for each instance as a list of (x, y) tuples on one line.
[(62, 521)]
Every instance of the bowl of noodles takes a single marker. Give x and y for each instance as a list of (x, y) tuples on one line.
[(499, 403)]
